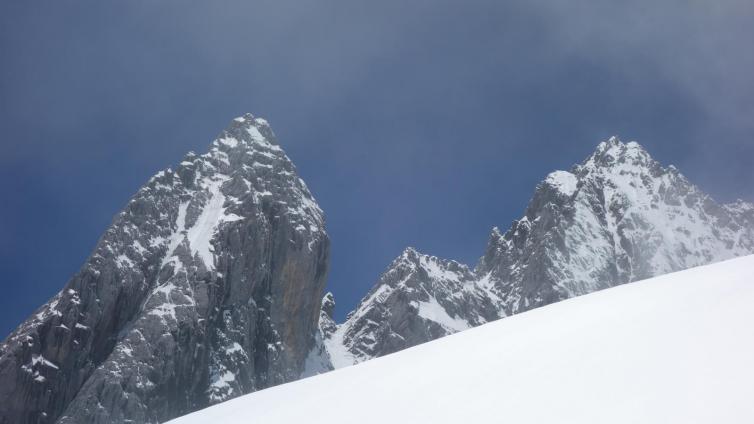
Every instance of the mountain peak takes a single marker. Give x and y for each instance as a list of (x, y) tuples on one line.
[(410, 251), (247, 131), (248, 119), (615, 140), (430, 264), (614, 153), (224, 255), (614, 147)]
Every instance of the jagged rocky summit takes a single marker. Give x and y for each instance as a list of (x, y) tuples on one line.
[(617, 217), (205, 287), (209, 284)]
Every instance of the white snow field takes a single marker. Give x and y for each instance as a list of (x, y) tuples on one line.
[(673, 349)]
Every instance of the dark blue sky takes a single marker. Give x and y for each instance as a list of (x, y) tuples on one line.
[(420, 123)]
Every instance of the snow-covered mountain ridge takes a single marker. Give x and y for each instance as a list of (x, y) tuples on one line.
[(675, 348), (419, 298), (209, 284), (617, 217)]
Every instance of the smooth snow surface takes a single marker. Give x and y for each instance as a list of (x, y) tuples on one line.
[(433, 311), (672, 349), (339, 356), (200, 234)]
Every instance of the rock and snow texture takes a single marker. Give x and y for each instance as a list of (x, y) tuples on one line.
[(209, 284), (617, 217), (418, 299), (319, 360), (673, 349), (205, 287)]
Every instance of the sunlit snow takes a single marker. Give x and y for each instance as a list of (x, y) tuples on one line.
[(564, 181)]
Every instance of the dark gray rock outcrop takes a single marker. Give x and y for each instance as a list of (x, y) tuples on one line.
[(205, 287)]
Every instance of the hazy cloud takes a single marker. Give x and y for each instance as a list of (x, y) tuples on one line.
[(419, 122)]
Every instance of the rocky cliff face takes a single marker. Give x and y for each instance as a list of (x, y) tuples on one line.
[(206, 286), (617, 217)]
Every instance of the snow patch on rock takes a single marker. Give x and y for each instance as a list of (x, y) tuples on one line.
[(563, 181)]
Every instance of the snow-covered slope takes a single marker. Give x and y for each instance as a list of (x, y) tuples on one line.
[(617, 217), (675, 348)]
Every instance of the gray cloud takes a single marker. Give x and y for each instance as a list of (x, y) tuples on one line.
[(421, 122)]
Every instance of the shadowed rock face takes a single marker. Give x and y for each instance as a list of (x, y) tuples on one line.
[(205, 287), (617, 217)]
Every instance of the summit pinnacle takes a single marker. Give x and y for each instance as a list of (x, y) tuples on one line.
[(205, 287)]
